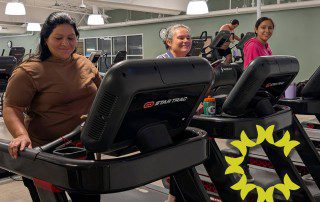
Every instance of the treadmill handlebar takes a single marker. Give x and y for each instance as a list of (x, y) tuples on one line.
[(110, 175), (26, 153), (74, 134)]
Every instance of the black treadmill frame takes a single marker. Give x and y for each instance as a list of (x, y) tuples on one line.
[(84, 175)]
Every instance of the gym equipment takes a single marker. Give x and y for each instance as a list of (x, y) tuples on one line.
[(103, 65), (142, 104), (120, 56), (197, 44), (222, 37), (7, 64), (18, 53), (94, 56), (309, 102), (241, 43), (253, 102), (306, 104), (213, 55)]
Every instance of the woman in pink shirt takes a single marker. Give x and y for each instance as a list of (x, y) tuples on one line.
[(259, 46)]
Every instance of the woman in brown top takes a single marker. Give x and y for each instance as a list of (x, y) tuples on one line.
[(53, 88)]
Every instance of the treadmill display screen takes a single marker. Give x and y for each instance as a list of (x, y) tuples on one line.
[(276, 85), (171, 107), (138, 94), (265, 77)]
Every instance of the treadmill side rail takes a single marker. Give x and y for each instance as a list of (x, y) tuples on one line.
[(302, 106), (107, 176)]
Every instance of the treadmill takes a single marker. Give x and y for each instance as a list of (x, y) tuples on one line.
[(308, 104), (253, 101), (150, 117)]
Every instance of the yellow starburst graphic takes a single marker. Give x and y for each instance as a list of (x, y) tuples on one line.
[(234, 164)]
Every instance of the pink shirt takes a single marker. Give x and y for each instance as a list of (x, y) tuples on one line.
[(254, 48)]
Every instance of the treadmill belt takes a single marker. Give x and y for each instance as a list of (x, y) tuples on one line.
[(265, 177)]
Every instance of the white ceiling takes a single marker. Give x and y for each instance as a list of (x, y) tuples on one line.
[(38, 10)]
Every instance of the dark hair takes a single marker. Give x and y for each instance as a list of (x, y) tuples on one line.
[(52, 21), (262, 19), (234, 22)]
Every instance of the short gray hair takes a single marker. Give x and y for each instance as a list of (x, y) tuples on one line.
[(170, 32)]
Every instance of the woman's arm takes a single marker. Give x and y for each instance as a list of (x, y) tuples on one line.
[(19, 94), (14, 120), (237, 38)]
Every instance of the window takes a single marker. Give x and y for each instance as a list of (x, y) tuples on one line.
[(90, 45), (135, 45), (119, 44), (104, 44), (111, 45)]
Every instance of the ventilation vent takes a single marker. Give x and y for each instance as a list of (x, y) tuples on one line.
[(101, 119)]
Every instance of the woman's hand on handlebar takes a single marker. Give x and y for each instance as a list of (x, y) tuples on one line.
[(19, 143)]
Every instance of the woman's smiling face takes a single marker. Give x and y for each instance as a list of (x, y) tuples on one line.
[(62, 41), (265, 30), (180, 44)]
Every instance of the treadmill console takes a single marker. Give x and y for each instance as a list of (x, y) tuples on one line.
[(266, 77), (137, 94), (312, 87), (225, 77)]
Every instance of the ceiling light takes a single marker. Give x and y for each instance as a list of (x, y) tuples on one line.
[(15, 8), (34, 27), (197, 7), (95, 18)]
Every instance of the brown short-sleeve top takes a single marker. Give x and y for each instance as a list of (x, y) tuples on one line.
[(55, 94)]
